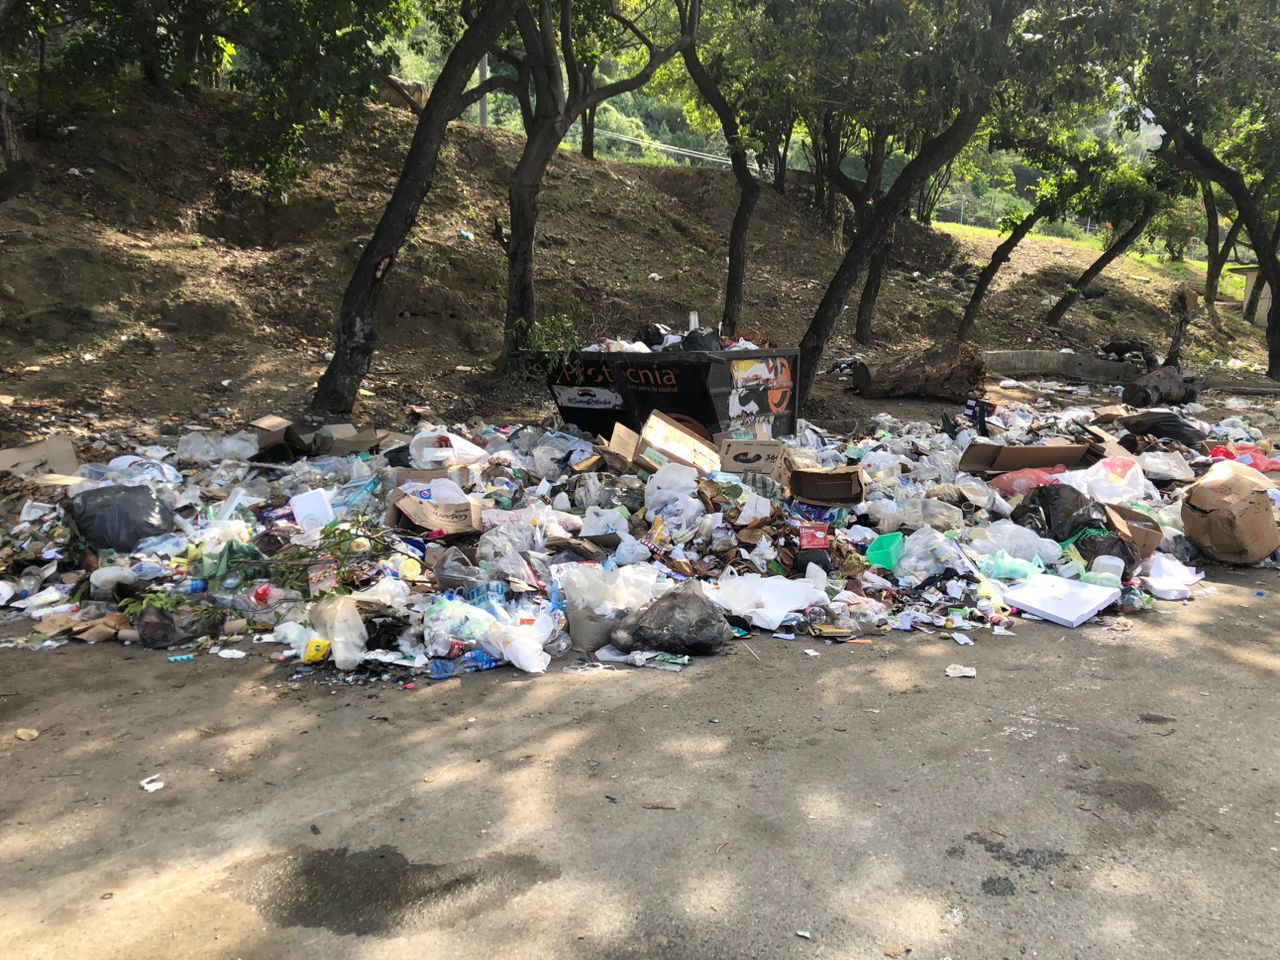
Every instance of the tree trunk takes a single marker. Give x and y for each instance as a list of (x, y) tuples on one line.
[(355, 336), (870, 293), (16, 176), (1122, 243), (524, 197), (780, 166), (1217, 263), (1184, 311), (1254, 300), (748, 186), (999, 257), (933, 153), (589, 134), (1191, 154)]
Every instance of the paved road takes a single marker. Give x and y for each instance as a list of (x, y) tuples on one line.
[(1105, 792)]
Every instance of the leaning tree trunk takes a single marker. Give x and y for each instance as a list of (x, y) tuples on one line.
[(1122, 243), (870, 294), (748, 187), (355, 337), (933, 154), (999, 257)]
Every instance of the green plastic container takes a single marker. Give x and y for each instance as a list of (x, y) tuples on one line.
[(886, 550)]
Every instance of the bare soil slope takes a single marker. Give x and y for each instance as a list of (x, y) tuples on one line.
[(147, 282)]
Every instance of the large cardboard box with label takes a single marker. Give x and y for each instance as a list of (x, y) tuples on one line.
[(1227, 513)]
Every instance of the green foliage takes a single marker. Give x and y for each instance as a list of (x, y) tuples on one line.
[(163, 600), (1175, 228), (1064, 229), (303, 62)]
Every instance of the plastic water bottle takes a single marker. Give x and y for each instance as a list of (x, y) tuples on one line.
[(470, 662)]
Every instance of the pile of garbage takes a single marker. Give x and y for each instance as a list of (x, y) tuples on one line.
[(461, 549)]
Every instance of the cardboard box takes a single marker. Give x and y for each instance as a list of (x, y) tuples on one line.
[(447, 518), (1227, 513), (271, 430), (1136, 527), (392, 479), (342, 439), (752, 456), (992, 459), (825, 486), (662, 441), (54, 455)]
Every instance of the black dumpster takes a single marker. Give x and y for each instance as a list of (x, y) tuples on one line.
[(714, 390)]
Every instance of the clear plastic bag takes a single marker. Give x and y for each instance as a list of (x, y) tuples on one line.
[(446, 620), (1016, 541), (337, 620), (925, 554), (1112, 480)]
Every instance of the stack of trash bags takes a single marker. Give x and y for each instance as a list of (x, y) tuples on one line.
[(469, 549)]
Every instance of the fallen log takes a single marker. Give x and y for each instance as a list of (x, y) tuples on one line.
[(946, 371), (1160, 386)]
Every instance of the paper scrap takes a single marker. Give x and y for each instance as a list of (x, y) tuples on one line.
[(152, 783), (956, 670), (26, 734)]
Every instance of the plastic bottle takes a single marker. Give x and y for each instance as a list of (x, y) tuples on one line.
[(29, 582), (470, 662)]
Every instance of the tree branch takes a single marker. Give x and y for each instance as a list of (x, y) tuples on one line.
[(484, 87)]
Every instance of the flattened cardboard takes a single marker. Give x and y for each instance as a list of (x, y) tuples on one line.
[(752, 456), (1227, 513), (52, 455), (992, 459), (1136, 527)]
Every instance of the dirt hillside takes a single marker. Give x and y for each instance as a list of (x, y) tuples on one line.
[(147, 283)]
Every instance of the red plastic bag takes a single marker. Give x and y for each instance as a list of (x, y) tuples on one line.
[(1017, 482)]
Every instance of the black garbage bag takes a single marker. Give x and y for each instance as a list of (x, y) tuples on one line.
[(399, 456), (1163, 423), (117, 518), (682, 621), (1110, 546), (1058, 512), (700, 339), (652, 335)]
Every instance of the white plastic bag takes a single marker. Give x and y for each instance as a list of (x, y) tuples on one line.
[(673, 481), (756, 508), (629, 551), (521, 644), (765, 601), (1168, 578), (596, 599), (599, 521), (337, 620)]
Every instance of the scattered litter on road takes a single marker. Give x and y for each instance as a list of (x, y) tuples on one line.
[(152, 783), (27, 734), (957, 670)]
